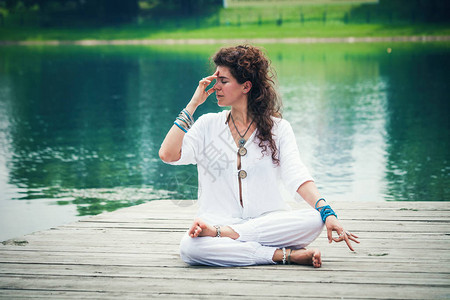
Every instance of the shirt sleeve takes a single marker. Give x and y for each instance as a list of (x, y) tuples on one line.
[(293, 172), (191, 143)]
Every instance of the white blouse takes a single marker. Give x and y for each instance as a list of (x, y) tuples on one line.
[(210, 145)]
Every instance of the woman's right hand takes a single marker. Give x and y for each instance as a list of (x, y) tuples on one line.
[(201, 93)]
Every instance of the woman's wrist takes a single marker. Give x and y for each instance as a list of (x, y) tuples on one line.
[(191, 107), (319, 203), (324, 210)]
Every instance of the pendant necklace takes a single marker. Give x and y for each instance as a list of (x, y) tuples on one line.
[(242, 151)]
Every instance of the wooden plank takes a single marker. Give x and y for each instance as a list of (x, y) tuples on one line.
[(129, 245), (145, 295), (119, 244), (378, 276), (143, 235), (131, 241), (290, 287), (356, 226), (330, 262), (342, 266)]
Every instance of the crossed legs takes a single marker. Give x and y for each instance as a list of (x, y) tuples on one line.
[(256, 241)]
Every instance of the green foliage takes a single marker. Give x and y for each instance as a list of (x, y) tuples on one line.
[(198, 13), (112, 11), (144, 19), (64, 12), (400, 11), (170, 31), (421, 10), (181, 7)]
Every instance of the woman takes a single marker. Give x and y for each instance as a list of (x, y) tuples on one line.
[(242, 155)]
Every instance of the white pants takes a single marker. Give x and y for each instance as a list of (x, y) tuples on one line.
[(257, 242)]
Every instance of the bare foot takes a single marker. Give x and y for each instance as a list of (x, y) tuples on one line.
[(307, 257), (200, 228)]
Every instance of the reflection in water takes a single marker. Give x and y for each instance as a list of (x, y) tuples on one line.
[(418, 128), (337, 105), (81, 126)]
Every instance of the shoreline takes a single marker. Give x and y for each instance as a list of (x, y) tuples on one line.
[(307, 40)]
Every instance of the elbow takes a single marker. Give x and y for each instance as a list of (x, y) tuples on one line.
[(163, 155), (166, 156)]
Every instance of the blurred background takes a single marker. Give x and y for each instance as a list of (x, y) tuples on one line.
[(134, 19), (81, 126)]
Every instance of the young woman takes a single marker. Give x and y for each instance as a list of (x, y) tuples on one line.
[(242, 156)]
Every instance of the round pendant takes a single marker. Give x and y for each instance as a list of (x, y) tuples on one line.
[(242, 151), (241, 142)]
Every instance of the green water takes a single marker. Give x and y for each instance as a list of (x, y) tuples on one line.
[(80, 127)]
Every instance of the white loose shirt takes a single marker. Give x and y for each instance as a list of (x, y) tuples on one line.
[(210, 145)]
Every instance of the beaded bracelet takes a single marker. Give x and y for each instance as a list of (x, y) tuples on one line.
[(217, 230), (181, 127), (187, 120), (325, 211), (184, 121), (190, 117), (315, 206)]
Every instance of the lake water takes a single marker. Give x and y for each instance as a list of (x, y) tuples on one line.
[(80, 127)]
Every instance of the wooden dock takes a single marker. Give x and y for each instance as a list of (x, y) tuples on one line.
[(133, 254)]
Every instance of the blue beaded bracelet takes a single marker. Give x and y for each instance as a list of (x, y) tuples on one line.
[(326, 211), (315, 206), (179, 126)]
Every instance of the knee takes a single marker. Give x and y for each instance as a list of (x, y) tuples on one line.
[(188, 250), (316, 225)]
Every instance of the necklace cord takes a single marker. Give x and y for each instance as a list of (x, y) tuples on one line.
[(242, 136)]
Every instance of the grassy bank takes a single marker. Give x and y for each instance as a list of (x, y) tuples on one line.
[(241, 32), (238, 23)]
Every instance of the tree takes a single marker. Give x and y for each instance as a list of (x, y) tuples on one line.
[(105, 11), (426, 10), (185, 7), (112, 11)]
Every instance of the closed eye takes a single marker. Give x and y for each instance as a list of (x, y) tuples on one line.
[(223, 79)]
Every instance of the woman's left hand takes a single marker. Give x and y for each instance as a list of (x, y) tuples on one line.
[(333, 224)]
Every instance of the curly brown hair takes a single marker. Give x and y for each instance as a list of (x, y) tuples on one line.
[(248, 63)]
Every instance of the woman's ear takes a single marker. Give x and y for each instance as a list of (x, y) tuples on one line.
[(247, 87)]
